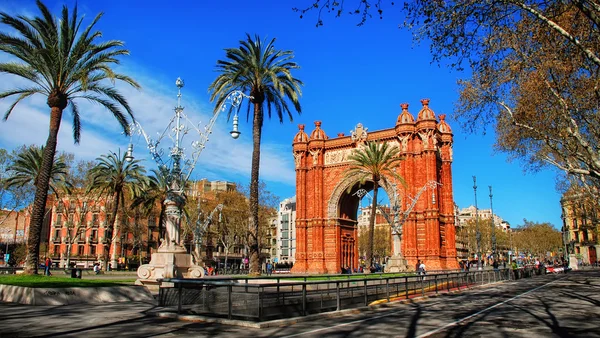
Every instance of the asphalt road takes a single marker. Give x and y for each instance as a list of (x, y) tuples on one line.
[(566, 305)]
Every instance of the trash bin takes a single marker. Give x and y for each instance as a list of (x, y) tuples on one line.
[(76, 273)]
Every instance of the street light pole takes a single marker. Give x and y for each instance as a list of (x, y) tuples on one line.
[(478, 232), (493, 226), (171, 258)]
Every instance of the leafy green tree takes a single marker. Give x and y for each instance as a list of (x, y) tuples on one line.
[(232, 228), (534, 71), (265, 73), (381, 242), (537, 239), (64, 64), (375, 162), (12, 197), (112, 177), (26, 169), (151, 196)]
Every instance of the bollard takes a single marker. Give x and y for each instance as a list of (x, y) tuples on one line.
[(337, 292)]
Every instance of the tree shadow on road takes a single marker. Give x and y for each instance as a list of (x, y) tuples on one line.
[(412, 329), (553, 324)]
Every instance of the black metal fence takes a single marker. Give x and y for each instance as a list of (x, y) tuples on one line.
[(285, 297)]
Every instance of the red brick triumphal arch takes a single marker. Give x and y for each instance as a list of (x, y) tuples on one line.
[(326, 207)]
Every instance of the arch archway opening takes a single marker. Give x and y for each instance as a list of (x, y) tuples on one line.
[(355, 211)]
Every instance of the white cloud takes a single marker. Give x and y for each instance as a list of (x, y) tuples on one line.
[(153, 108)]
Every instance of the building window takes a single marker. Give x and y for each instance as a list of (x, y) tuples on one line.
[(92, 249), (94, 234), (59, 219), (80, 250), (94, 219)]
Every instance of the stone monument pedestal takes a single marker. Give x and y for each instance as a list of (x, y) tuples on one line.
[(396, 264), (169, 261)]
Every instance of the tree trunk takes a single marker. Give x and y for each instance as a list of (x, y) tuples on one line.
[(254, 227), (69, 246), (112, 249), (42, 184), (372, 226), (226, 257)]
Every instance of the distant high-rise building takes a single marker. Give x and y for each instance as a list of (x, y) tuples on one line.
[(203, 186), (286, 232), (465, 214)]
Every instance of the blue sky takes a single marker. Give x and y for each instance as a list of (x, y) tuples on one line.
[(351, 74)]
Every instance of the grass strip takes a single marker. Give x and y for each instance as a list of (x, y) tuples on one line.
[(41, 281)]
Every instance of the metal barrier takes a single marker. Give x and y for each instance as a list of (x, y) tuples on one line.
[(10, 270), (265, 299)]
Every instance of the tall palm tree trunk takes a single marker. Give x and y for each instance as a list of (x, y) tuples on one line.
[(254, 237), (112, 249), (42, 184), (372, 225)]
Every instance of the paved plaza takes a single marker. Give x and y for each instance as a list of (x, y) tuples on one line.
[(564, 305)]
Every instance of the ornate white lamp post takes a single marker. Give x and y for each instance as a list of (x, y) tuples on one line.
[(171, 259)]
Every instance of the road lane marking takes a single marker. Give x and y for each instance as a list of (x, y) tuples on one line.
[(426, 334), (404, 310), (352, 322)]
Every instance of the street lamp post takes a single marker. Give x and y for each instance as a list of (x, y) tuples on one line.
[(171, 258), (493, 226), (478, 232)]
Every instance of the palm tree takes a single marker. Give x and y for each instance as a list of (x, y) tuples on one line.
[(62, 63), (25, 171), (112, 177), (152, 192), (263, 72), (377, 163)]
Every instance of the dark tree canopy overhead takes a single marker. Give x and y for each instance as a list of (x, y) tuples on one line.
[(535, 67)]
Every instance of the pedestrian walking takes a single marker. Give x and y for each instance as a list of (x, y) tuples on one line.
[(269, 268), (422, 269), (47, 267)]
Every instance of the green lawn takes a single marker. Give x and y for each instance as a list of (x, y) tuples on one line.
[(41, 281)]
